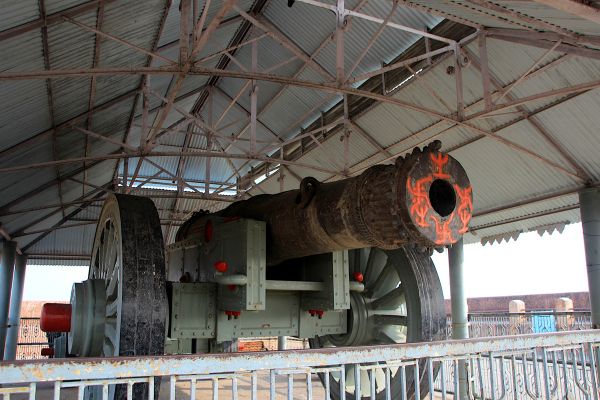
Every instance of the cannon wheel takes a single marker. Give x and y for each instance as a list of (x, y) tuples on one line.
[(402, 302), (128, 253)]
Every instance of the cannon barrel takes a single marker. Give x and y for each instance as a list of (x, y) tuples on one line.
[(424, 198)]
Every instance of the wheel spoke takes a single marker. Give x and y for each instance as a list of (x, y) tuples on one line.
[(108, 248), (103, 249), (107, 349), (112, 307), (375, 263), (99, 273), (111, 258), (113, 281), (110, 333), (390, 336), (380, 379), (386, 281), (390, 301), (365, 383), (385, 320), (350, 377)]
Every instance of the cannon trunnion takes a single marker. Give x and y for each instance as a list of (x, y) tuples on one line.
[(344, 263)]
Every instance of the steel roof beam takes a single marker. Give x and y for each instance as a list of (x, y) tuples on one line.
[(144, 82), (274, 98), (360, 15), (278, 36), (583, 87), (52, 19), (196, 195), (69, 123), (572, 7), (430, 10), (380, 149), (332, 88), (116, 39), (93, 81), (230, 48), (185, 67), (21, 230), (43, 187), (46, 55), (546, 44), (58, 257), (495, 81), (544, 68), (200, 39), (49, 230), (503, 93), (158, 179), (62, 221), (40, 208), (524, 19), (578, 40), (191, 118), (372, 40), (118, 155), (400, 64)]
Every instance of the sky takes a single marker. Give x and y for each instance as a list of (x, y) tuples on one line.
[(531, 265)]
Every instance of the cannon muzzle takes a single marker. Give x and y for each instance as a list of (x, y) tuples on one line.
[(424, 198)]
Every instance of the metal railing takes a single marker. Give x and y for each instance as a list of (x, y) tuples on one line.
[(502, 324), (554, 365), (32, 339)]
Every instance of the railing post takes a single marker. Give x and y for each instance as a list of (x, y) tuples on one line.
[(281, 342), (563, 310), (7, 264), (14, 313), (589, 207), (518, 321), (458, 300)]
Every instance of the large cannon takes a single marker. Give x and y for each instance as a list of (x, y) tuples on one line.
[(344, 263)]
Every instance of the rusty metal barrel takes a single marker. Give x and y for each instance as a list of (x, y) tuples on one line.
[(424, 198)]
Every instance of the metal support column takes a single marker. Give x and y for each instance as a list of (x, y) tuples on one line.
[(14, 313), (458, 300), (9, 249), (281, 342), (589, 207)]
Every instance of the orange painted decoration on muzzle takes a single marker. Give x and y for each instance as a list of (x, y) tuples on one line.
[(420, 201), (465, 206)]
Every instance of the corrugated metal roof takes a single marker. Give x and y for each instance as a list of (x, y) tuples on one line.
[(530, 15), (24, 104), (15, 13), (54, 6), (500, 175)]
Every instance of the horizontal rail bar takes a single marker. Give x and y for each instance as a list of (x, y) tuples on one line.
[(129, 367)]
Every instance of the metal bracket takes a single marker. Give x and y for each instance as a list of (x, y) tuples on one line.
[(192, 310), (331, 269)]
